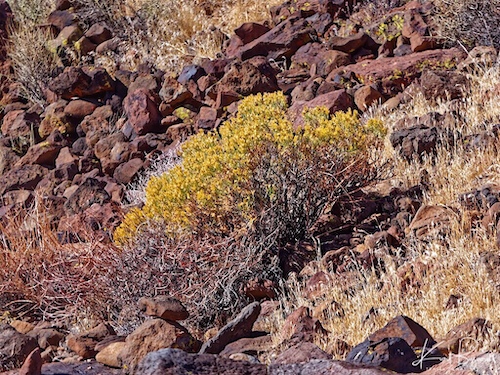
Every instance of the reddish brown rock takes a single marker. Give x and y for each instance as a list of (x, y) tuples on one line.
[(407, 329), (417, 31), (112, 150), (84, 344), (324, 59), (468, 336), (411, 65), (415, 141), (349, 44), (8, 158), (335, 101), (79, 108), (300, 353), (84, 46), (80, 82), (366, 96), (54, 118), (301, 325), (237, 328), (33, 364), (110, 353), (174, 95), (250, 31), (207, 118), (259, 289), (14, 347), (61, 18), (446, 85), (148, 83), (281, 41), (19, 123), (97, 122), (153, 335), (44, 153), (142, 112), (248, 345), (89, 192), (47, 337), (125, 172), (25, 177), (245, 79), (65, 157), (164, 307), (98, 33)]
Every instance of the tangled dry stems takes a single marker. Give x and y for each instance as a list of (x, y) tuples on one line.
[(471, 22), (42, 277)]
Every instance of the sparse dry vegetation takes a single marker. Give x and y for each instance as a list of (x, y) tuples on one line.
[(211, 215), (41, 277), (451, 264), (470, 22)]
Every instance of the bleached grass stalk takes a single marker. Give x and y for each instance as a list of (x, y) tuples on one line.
[(136, 191)]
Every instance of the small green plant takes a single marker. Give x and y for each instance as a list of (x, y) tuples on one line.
[(391, 28), (258, 173)]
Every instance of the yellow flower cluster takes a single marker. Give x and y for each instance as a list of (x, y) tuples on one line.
[(210, 189)]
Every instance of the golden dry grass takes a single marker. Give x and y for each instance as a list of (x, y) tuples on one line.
[(452, 263)]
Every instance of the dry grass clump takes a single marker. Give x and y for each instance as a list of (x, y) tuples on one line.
[(43, 278), (446, 265), (471, 22), (32, 61), (177, 32)]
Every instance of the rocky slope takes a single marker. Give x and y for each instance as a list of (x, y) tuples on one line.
[(102, 128)]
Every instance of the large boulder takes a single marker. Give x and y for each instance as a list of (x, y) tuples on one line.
[(153, 335), (174, 361), (281, 41)]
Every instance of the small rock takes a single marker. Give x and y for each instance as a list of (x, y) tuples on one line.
[(98, 33), (366, 96), (109, 355), (237, 328), (469, 336), (301, 352), (164, 307), (142, 112), (84, 344)]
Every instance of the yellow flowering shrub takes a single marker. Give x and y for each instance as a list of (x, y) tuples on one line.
[(257, 172)]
